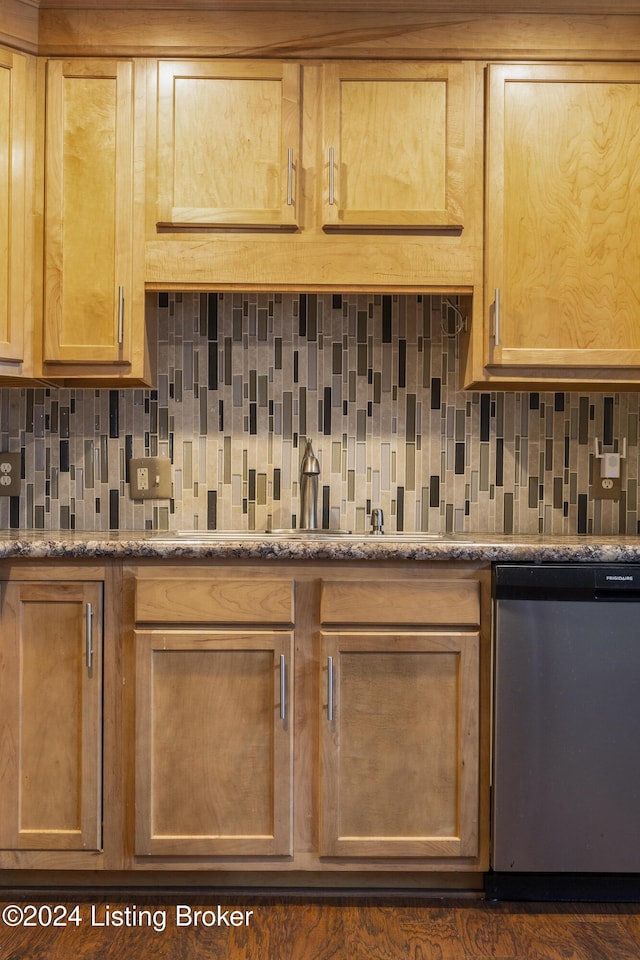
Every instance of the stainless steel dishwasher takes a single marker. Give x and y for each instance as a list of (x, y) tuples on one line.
[(566, 749)]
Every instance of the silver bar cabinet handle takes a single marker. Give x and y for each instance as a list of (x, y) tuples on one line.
[(89, 636), (496, 318), (120, 315), (290, 177), (283, 687), (332, 177), (330, 688)]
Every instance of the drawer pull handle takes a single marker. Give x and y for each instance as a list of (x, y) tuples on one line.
[(283, 687), (89, 636), (290, 177), (330, 682), (332, 177), (120, 315)]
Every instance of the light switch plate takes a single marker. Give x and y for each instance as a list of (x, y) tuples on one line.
[(606, 488), (10, 474), (150, 478)]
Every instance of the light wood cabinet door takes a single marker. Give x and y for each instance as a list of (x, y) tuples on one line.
[(284, 176), (213, 743), (94, 297), (228, 143), (13, 211), (563, 216), (393, 139), (50, 723), (400, 744)]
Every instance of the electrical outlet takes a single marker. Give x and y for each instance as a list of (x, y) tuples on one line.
[(606, 488), (9, 474), (142, 479), (150, 478)]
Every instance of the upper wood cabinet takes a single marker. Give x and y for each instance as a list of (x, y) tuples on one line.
[(94, 324), (340, 175), (17, 93), (228, 143), (393, 138), (563, 222)]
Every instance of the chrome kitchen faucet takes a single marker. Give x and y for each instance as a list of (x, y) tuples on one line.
[(309, 473)]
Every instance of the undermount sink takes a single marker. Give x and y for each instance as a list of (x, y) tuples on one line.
[(204, 536)]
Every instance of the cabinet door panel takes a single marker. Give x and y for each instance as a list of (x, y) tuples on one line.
[(89, 180), (563, 210), (50, 790), (228, 143), (12, 204), (393, 145), (400, 745), (213, 744)]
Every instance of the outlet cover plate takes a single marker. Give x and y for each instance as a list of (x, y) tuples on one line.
[(150, 478), (606, 488), (10, 464)]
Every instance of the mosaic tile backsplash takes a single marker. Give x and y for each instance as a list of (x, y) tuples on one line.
[(244, 379)]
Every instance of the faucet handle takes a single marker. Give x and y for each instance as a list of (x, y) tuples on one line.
[(377, 521), (309, 466)]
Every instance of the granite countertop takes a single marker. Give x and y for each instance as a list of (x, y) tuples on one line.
[(257, 546)]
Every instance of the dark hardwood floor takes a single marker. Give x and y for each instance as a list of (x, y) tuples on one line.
[(134, 927)]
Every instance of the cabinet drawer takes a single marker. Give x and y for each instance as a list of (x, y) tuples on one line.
[(410, 603), (211, 600)]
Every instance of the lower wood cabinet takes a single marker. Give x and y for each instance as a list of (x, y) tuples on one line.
[(289, 719), (263, 721), (400, 745), (213, 743), (50, 720), (400, 728)]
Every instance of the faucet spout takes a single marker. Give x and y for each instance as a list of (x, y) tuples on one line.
[(309, 473)]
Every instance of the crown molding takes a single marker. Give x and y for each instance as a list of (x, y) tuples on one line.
[(420, 7), (19, 21)]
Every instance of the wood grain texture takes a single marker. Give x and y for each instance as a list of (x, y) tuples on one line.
[(563, 222), (19, 24), (14, 171), (383, 174), (185, 599), (367, 6), (213, 743), (308, 686), (442, 264), (411, 603), (374, 34), (224, 133), (418, 690), (210, 667), (336, 928), (52, 728), (25, 222), (89, 175), (392, 205), (94, 196)]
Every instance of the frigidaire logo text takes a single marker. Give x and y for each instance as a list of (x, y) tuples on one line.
[(619, 577)]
